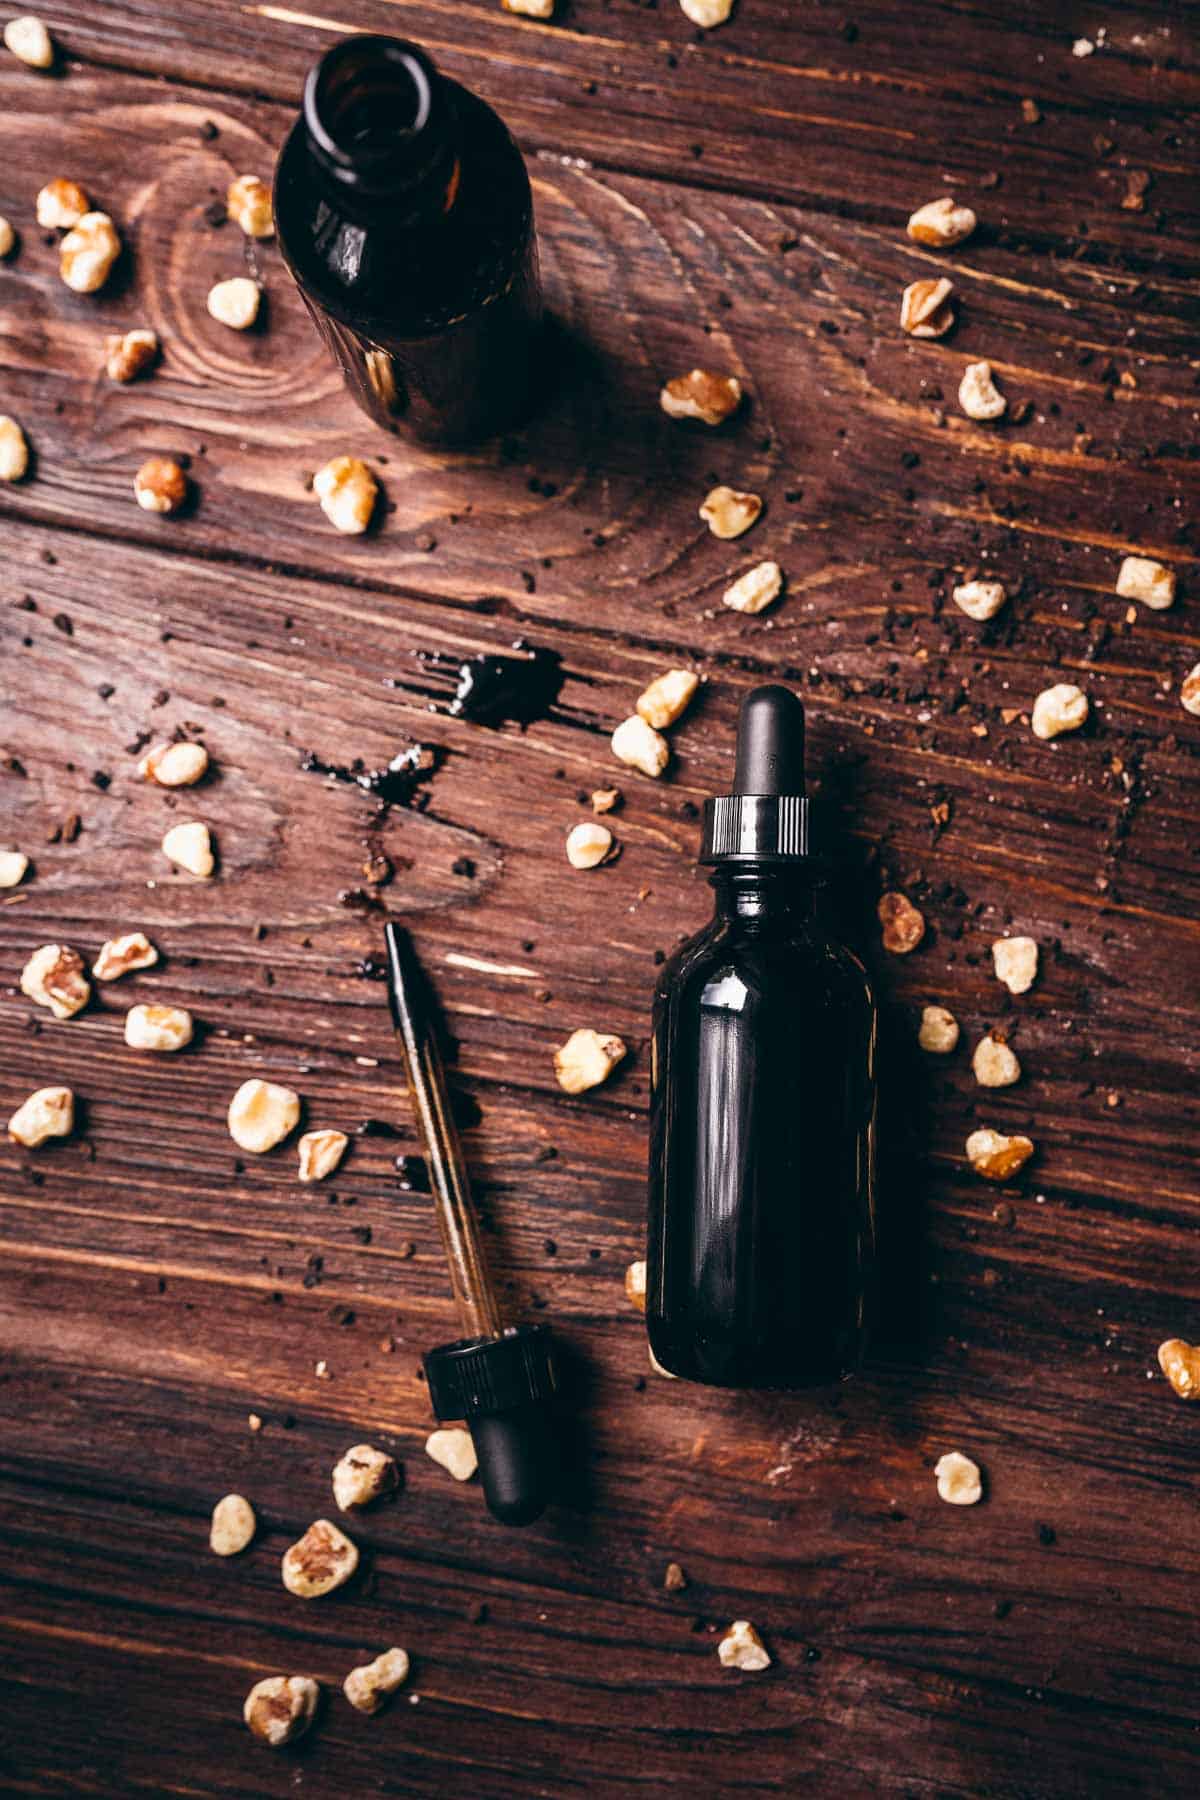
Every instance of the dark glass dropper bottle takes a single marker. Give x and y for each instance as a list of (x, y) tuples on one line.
[(403, 210), (762, 1226)]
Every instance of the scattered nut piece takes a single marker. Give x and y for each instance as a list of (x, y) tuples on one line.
[(248, 203), (30, 42), (742, 1648), (60, 205), (54, 977), (121, 954), (320, 1153), (154, 1027), (1063, 707), (667, 698), (606, 800), (1189, 693), (13, 867), (454, 1450), (926, 309), (978, 394), (728, 513), (586, 1059), (995, 1156), (941, 223), (702, 395), (994, 1063), (87, 254), (174, 765), (1015, 961), (939, 1031), (280, 1709), (50, 1112), (129, 356), (14, 450), (754, 591), (638, 744), (707, 13), (635, 1285), (189, 846), (261, 1114), (233, 1525), (367, 1688), (8, 237), (674, 1581), (347, 491), (1180, 1363), (903, 925), (1141, 578), (364, 1474), (588, 845), (235, 302), (958, 1479), (980, 599), (160, 485), (318, 1562)]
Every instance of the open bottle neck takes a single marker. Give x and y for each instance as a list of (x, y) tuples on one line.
[(381, 130)]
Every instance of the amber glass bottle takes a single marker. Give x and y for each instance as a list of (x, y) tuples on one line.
[(403, 209), (762, 1224)]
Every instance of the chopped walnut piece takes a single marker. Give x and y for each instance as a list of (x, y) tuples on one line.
[(160, 485), (348, 492), (926, 309), (121, 954), (640, 746), (8, 237), (454, 1450), (635, 1285), (30, 42), (362, 1476), (667, 698), (153, 1027), (939, 1031), (754, 591), (14, 450), (1180, 1363), (995, 1156), (233, 1525), (1189, 693), (60, 205), (941, 223), (978, 394), (702, 395), (320, 1153), (980, 599), (588, 845), (903, 925), (189, 846), (586, 1059), (707, 13), (174, 765), (235, 302), (674, 1581), (728, 513), (54, 977), (248, 203), (1141, 578), (1063, 707), (318, 1562), (280, 1709), (994, 1063), (14, 865), (1015, 961), (367, 1687), (742, 1648), (606, 800), (87, 253), (261, 1114), (958, 1479), (50, 1112), (126, 357)]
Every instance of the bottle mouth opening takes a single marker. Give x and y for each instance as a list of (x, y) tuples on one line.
[(366, 104)]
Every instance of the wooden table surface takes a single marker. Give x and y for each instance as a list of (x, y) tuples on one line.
[(738, 200)]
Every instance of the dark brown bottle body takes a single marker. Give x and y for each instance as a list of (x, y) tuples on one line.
[(403, 209), (761, 1217)]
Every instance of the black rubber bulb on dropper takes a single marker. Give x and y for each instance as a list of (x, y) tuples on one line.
[(770, 743)]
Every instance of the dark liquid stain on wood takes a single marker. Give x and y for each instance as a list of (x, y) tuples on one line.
[(396, 784), (414, 1176), (491, 689)]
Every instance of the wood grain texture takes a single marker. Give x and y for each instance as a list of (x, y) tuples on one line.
[(155, 1288)]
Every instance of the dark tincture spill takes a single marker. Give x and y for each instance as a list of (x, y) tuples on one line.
[(491, 689), (395, 784), (414, 1176)]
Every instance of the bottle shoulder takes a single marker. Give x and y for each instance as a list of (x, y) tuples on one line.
[(779, 959)]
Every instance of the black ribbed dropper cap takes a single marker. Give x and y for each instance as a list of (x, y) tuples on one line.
[(503, 1388), (765, 818)]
